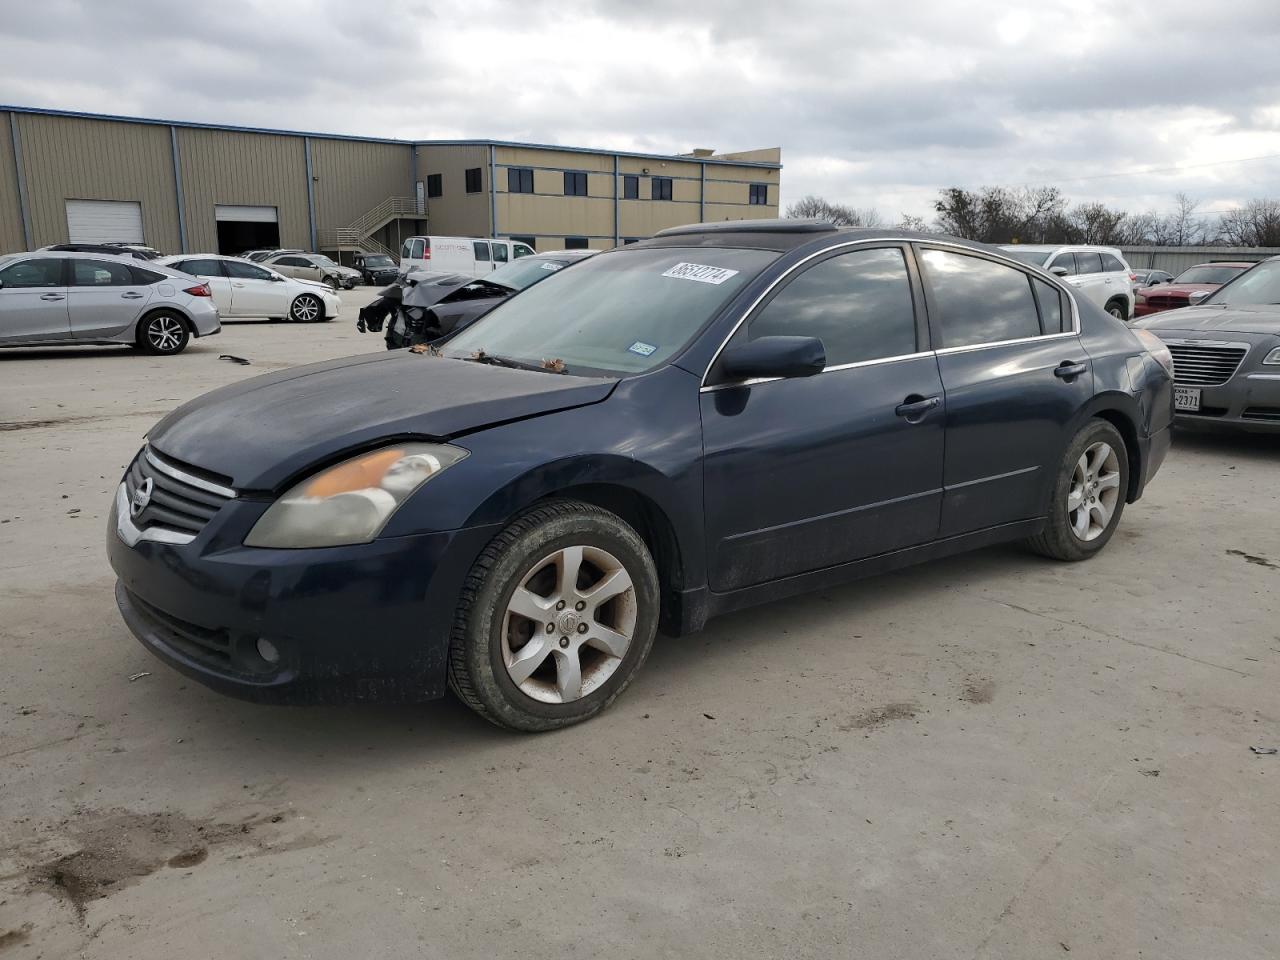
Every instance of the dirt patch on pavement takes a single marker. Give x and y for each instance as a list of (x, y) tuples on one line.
[(1255, 560), (11, 938), (878, 716), (978, 691)]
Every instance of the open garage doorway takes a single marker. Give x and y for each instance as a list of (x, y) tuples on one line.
[(246, 228)]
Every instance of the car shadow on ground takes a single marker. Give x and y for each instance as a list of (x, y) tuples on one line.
[(1261, 447)]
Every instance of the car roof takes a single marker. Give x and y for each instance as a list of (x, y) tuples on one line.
[(559, 255), (1068, 247), (1220, 263), (783, 235)]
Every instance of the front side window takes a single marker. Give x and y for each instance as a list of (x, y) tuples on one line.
[(575, 184), (759, 194), (1067, 261), (475, 182), (858, 304), (100, 273), (524, 246), (519, 180), (1088, 262), (245, 271), (630, 187), (481, 250), (499, 252), (660, 188), (435, 185), (617, 313), (202, 268), (979, 301), (45, 272)]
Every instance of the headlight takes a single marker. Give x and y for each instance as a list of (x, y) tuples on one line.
[(352, 501), (1156, 348), (1273, 356), (1139, 298)]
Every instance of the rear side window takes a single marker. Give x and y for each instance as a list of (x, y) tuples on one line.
[(1052, 309), (144, 277), (288, 262), (1067, 261), (1088, 263), (45, 272), (100, 273), (979, 301), (1111, 265), (482, 250), (858, 304)]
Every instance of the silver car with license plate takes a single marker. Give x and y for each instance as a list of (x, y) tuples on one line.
[(61, 298), (1226, 353)]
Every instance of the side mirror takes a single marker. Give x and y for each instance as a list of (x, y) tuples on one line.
[(276, 278), (1059, 271), (1198, 295), (775, 357)]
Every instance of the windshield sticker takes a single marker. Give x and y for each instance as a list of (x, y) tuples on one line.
[(552, 266), (700, 272), (645, 349)]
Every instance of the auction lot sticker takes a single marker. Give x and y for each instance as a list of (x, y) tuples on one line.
[(700, 272)]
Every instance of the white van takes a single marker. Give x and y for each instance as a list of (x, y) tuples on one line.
[(466, 255)]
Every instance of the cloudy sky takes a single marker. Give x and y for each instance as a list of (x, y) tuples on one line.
[(874, 104)]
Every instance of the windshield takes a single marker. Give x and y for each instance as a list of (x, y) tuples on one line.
[(621, 312), (378, 262), (322, 259), (1034, 257), (1208, 274), (1260, 284), (524, 273)]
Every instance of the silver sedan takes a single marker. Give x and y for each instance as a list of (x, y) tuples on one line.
[(62, 298)]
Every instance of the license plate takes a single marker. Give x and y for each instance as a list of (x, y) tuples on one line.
[(1186, 398)]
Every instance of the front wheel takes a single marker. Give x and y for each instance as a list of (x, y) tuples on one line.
[(1088, 495), (332, 282), (163, 334), (306, 309), (555, 618)]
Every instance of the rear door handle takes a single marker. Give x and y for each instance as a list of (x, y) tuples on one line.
[(131, 296), (914, 408), (52, 296), (238, 286), (1068, 370)]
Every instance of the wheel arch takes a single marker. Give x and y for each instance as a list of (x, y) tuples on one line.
[(1121, 411), (166, 308)]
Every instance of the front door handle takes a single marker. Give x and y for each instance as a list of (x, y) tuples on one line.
[(131, 296), (1068, 370), (52, 296), (238, 286), (914, 408)]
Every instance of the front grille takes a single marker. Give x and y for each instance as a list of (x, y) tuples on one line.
[(1205, 366), (180, 500), (1167, 303), (1262, 413), (199, 643)]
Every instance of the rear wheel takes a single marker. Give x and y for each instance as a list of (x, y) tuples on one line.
[(1088, 495), (306, 309), (1118, 309), (555, 618), (163, 333)]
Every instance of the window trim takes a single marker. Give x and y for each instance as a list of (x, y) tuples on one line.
[(653, 189), (518, 173), (65, 271), (751, 195), (575, 174), (914, 247), (438, 180), (466, 179), (629, 179)]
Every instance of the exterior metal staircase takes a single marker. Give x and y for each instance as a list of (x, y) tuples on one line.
[(358, 235)]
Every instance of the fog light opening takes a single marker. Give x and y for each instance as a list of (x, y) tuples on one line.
[(268, 651)]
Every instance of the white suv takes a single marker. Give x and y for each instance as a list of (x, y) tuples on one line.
[(1099, 273)]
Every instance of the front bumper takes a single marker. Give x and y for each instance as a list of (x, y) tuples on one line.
[(364, 622), (1249, 401), (332, 304)]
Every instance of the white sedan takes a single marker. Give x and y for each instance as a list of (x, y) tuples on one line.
[(242, 288)]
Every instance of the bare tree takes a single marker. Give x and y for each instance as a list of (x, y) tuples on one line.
[(1182, 228), (1000, 214), (1094, 223), (836, 214), (1256, 224), (910, 221)]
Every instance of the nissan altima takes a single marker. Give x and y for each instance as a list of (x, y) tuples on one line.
[(720, 416)]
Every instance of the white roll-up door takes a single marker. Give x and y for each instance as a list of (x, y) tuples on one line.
[(225, 211), (98, 221)]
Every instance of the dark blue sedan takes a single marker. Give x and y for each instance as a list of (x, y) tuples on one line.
[(721, 416)]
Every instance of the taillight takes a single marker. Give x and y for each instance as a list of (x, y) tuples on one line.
[(1133, 277), (199, 290)]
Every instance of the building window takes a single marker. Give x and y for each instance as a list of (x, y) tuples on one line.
[(530, 242), (629, 240), (630, 187), (474, 182), (519, 180), (759, 194), (575, 184), (661, 188), (435, 184), (575, 243)]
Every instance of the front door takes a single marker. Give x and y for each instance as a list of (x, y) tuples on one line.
[(33, 301), (806, 473), (1015, 377), (253, 291), (104, 298)]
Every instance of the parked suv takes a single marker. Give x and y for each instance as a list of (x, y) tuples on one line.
[(723, 415), (1100, 274)]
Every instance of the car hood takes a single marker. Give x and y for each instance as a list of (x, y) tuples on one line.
[(1262, 318), (263, 431), (428, 292), (313, 283), (1177, 289)]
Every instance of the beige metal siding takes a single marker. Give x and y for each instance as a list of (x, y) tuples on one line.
[(10, 205), (457, 213), (250, 169), (355, 176), (525, 214), (71, 158), (553, 159)]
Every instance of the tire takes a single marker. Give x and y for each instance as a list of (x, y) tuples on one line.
[(489, 633), (332, 282), (306, 309), (163, 333), (1096, 456), (1118, 309)]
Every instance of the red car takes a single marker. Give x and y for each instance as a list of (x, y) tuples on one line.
[(1203, 278)]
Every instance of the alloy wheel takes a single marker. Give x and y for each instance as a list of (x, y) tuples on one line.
[(568, 624), (305, 309), (1094, 491), (164, 333)]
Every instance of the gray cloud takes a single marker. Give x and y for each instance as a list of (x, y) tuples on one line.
[(873, 104)]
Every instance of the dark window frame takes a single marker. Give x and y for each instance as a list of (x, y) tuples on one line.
[(221, 271), (474, 179), (63, 268), (435, 185), (659, 186), (482, 246), (935, 311), (575, 183), (96, 265), (572, 243), (519, 178), (631, 186), (528, 241), (758, 195), (1088, 253)]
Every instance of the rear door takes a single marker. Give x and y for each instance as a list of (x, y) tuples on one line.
[(1116, 282), (809, 472), (104, 298), (1089, 279), (1015, 375), (254, 293), (483, 262), (33, 300), (210, 270)]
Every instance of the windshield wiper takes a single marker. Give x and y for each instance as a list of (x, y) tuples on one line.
[(481, 357)]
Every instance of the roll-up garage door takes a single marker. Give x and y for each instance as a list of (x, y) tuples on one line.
[(224, 211), (98, 221)]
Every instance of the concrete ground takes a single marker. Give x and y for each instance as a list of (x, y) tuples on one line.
[(989, 756)]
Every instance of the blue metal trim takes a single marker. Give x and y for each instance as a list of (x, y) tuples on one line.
[(177, 190), (621, 153), (311, 195), (702, 195), (615, 199), (493, 196), (20, 170)]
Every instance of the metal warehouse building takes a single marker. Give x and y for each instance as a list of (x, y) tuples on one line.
[(194, 187)]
